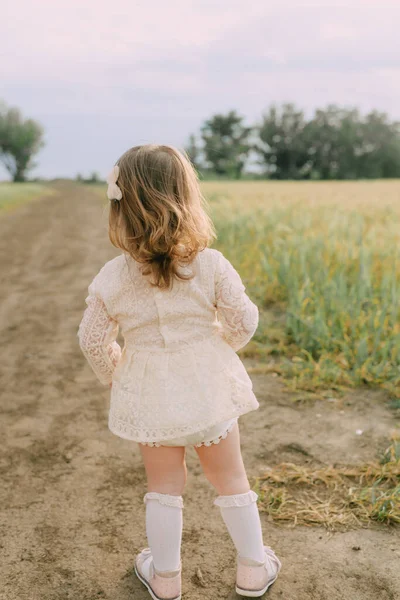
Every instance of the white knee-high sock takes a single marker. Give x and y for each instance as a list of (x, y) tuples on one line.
[(241, 517), (164, 530)]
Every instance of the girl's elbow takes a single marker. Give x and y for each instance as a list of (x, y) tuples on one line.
[(253, 320), (89, 346)]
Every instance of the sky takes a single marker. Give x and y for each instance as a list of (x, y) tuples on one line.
[(102, 77)]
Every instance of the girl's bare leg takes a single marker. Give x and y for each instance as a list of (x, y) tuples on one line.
[(166, 478), (223, 466), (165, 469)]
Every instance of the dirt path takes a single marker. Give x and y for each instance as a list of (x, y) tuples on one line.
[(71, 493)]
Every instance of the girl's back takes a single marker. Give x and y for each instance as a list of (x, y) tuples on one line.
[(152, 318), (179, 346)]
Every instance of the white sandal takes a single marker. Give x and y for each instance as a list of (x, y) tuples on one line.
[(160, 587), (253, 579)]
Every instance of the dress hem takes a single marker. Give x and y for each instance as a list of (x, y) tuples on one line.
[(207, 443), (126, 436)]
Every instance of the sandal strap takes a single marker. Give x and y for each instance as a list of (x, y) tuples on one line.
[(272, 560)]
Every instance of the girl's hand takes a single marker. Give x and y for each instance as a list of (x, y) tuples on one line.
[(110, 384)]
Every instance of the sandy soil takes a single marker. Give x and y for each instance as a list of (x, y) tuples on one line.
[(71, 493)]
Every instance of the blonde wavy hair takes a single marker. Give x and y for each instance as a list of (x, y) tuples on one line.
[(162, 218)]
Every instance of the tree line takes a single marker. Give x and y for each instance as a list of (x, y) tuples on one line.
[(334, 143)]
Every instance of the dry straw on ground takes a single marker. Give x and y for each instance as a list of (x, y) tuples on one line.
[(334, 497)]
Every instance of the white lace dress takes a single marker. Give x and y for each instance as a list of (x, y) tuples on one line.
[(178, 377)]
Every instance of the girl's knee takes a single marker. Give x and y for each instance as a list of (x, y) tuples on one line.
[(236, 485), (171, 481), (227, 482), (165, 469)]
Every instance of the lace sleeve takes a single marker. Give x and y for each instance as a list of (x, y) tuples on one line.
[(97, 334), (235, 311)]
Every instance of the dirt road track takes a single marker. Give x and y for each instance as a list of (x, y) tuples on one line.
[(71, 493)]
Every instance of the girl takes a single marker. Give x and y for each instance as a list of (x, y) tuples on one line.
[(178, 381)]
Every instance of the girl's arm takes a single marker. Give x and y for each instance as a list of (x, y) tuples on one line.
[(97, 334), (236, 312)]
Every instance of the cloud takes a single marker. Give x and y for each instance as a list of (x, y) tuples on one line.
[(46, 38), (308, 38)]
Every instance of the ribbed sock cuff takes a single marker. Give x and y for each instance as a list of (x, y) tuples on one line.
[(236, 500), (165, 499)]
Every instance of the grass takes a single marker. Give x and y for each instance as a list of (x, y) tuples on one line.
[(322, 261), (334, 497), (15, 194)]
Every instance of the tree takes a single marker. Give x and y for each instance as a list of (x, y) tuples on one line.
[(20, 140), (346, 145), (194, 152), (94, 177), (282, 144), (379, 153), (336, 143), (226, 143), (334, 134)]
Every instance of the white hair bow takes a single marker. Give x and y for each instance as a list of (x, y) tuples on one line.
[(113, 191)]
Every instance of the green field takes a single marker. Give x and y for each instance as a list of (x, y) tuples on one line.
[(14, 194), (322, 261)]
